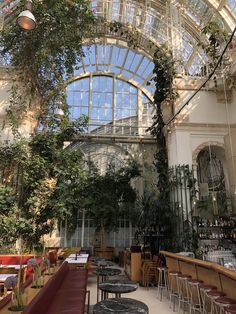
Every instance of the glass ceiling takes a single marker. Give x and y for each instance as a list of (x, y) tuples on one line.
[(123, 62), (176, 22)]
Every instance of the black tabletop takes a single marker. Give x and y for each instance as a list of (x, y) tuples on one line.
[(118, 286), (107, 271), (99, 261), (120, 305)]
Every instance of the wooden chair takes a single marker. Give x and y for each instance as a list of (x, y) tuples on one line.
[(52, 257), (149, 271)]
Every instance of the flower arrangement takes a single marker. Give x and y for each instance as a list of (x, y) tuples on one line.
[(13, 283), (32, 262)]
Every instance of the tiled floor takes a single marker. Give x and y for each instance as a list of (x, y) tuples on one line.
[(148, 296)]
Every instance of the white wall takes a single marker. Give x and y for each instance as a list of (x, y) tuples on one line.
[(206, 118), (206, 108)]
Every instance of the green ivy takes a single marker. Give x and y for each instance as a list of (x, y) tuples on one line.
[(162, 221), (217, 37), (45, 58)]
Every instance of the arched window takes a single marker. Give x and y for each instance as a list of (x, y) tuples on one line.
[(112, 105)]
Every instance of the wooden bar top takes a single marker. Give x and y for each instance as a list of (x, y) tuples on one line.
[(208, 272), (210, 265)]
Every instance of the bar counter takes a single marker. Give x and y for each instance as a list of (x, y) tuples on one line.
[(210, 273)]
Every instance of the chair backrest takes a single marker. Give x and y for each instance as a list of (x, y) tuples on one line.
[(86, 250), (157, 259), (52, 256)]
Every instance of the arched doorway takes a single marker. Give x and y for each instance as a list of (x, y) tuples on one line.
[(213, 179)]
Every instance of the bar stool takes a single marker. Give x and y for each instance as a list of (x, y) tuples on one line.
[(183, 291), (203, 291), (212, 295), (173, 288), (162, 281), (194, 295), (221, 303), (231, 309)]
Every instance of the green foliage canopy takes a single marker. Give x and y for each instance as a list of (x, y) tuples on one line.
[(46, 57)]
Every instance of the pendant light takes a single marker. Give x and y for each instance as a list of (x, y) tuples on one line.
[(58, 112), (26, 19)]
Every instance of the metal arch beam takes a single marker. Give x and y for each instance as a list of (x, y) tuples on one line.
[(144, 42), (111, 74), (190, 25), (145, 47), (108, 66), (92, 148), (221, 9), (112, 139), (120, 41), (155, 4)]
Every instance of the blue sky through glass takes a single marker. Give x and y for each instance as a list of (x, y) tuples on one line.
[(106, 100), (123, 61)]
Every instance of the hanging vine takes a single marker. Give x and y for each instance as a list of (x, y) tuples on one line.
[(164, 73), (217, 38)]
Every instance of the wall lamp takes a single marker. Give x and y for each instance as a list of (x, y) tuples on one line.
[(26, 19)]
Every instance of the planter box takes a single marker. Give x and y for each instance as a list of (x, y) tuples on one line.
[(107, 252)]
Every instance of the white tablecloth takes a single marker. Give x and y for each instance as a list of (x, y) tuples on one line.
[(3, 277), (79, 260)]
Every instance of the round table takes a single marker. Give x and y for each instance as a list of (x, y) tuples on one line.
[(117, 287), (101, 262), (103, 274), (120, 306), (106, 272)]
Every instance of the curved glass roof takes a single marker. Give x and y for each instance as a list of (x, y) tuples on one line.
[(121, 61), (175, 22)]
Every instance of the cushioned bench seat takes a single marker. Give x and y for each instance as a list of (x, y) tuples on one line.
[(64, 293), (12, 259)]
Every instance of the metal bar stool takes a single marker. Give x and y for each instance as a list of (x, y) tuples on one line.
[(212, 295), (162, 282), (173, 288), (203, 291), (221, 303), (183, 292), (194, 295)]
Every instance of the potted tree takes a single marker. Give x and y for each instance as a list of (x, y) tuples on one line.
[(111, 197)]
